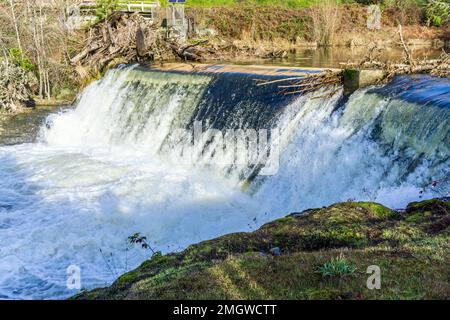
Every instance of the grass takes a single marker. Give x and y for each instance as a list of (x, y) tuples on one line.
[(412, 254), (232, 3), (336, 267)]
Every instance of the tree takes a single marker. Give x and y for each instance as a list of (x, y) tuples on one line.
[(16, 26), (35, 36)]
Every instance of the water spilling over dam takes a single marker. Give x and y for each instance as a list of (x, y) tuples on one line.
[(110, 167)]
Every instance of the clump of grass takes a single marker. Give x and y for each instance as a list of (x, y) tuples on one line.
[(336, 267), (325, 21)]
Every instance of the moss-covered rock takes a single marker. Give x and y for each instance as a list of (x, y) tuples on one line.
[(432, 215), (410, 247)]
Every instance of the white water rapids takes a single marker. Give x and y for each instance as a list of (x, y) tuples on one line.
[(103, 171)]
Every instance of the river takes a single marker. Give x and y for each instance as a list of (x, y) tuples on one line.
[(76, 182)]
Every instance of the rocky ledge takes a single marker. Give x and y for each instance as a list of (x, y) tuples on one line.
[(317, 254)]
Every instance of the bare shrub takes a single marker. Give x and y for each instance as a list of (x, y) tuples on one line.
[(325, 19), (37, 31), (15, 87), (405, 12)]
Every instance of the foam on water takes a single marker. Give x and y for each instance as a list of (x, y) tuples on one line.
[(105, 170)]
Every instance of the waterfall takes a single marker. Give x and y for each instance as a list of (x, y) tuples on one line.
[(129, 158)]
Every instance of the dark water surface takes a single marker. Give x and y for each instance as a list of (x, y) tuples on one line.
[(23, 127)]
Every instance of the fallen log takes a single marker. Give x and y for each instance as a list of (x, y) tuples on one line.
[(188, 53)]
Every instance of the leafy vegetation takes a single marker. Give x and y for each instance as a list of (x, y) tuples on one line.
[(36, 38), (437, 13), (336, 267), (105, 8), (412, 254), (20, 59), (138, 239)]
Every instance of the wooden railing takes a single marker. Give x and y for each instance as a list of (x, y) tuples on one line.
[(88, 7), (137, 6)]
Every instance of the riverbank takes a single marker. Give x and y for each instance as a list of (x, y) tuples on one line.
[(23, 127), (317, 254), (265, 32), (295, 28)]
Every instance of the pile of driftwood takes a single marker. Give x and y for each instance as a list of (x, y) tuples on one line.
[(120, 38), (16, 87), (125, 38), (306, 83), (437, 67), (410, 65)]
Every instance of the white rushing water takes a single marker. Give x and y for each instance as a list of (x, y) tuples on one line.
[(105, 170)]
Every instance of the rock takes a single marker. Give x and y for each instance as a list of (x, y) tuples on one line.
[(275, 251)]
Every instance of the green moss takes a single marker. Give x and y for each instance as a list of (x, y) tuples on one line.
[(172, 273), (128, 277), (158, 262), (346, 235), (419, 216), (432, 205), (377, 210), (403, 234), (414, 260), (351, 74)]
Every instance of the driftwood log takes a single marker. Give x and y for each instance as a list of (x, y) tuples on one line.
[(188, 52)]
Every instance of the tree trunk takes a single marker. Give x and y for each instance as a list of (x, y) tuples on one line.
[(16, 28)]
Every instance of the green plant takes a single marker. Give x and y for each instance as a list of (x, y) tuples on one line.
[(337, 267), (20, 59), (105, 8), (437, 13), (141, 240)]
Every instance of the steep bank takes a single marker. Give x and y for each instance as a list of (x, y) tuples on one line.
[(290, 28), (411, 247)]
